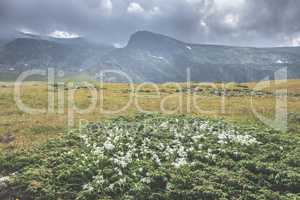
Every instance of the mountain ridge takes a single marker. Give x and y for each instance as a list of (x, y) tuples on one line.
[(155, 57), (152, 57)]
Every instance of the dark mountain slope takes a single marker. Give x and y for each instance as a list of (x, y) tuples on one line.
[(158, 58), (36, 53), (150, 57)]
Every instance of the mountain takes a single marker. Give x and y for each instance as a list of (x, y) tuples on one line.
[(35, 52), (149, 57), (154, 57)]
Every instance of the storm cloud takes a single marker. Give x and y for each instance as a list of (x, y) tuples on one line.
[(230, 22)]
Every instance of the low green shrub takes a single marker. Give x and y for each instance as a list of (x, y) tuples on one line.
[(156, 157)]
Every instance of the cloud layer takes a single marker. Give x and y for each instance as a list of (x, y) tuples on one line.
[(231, 22)]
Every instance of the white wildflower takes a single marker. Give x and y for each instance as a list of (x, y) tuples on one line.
[(88, 187), (146, 180), (164, 125), (179, 162), (156, 159), (109, 146), (111, 187)]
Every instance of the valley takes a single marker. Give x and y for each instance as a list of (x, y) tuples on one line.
[(232, 101)]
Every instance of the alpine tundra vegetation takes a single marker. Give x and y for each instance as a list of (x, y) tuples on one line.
[(158, 157), (149, 100)]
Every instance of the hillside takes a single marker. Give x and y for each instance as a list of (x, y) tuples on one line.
[(158, 58), (149, 57), (38, 53)]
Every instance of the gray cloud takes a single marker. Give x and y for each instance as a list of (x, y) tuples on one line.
[(232, 22)]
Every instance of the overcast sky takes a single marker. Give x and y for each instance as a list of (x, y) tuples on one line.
[(231, 22)]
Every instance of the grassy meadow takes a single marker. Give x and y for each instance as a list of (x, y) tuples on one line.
[(196, 141), (29, 130)]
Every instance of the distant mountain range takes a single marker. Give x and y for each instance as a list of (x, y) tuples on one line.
[(149, 57), (35, 52)]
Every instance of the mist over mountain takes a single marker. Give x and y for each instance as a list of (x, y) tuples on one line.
[(39, 52), (158, 58), (149, 57)]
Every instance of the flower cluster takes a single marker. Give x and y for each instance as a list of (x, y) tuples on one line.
[(134, 149), (155, 157)]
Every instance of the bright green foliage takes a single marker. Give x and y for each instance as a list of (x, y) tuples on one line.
[(155, 157)]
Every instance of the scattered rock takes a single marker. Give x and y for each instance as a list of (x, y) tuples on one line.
[(4, 181), (7, 138)]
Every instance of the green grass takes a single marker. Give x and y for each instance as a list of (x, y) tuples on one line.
[(31, 130), (46, 130), (51, 162), (159, 157)]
